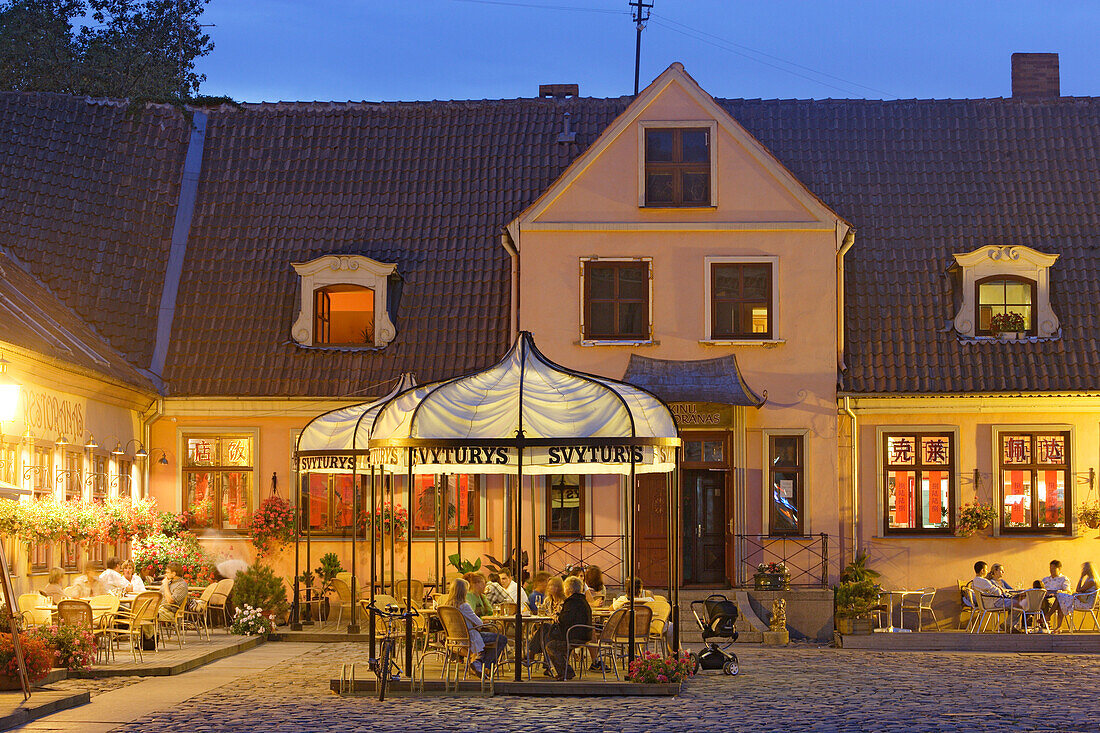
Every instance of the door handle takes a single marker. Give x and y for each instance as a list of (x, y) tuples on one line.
[(698, 530), (731, 526)]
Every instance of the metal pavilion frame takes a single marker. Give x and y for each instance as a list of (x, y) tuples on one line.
[(521, 444)]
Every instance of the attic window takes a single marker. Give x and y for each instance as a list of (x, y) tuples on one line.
[(677, 163), (342, 303), (1003, 280)]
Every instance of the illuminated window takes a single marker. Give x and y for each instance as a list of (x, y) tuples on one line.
[(1035, 485), (124, 480), (9, 463), (565, 505), (920, 484), (1000, 296), (459, 492), (677, 167), (616, 300), (328, 503), (344, 316), (217, 481), (786, 471), (70, 476), (99, 478), (741, 298)]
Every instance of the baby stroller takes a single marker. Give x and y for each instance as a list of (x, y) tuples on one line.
[(716, 622)]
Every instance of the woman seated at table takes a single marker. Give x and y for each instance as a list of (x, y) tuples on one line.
[(134, 583), (485, 646), (1058, 590), (88, 584), (475, 595), (996, 576), (555, 596), (595, 591), (641, 595), (1084, 597), (173, 592), (53, 589)]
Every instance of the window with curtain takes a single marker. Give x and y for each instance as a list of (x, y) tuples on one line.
[(218, 481), (919, 490), (328, 503), (460, 493), (565, 505), (1035, 481)]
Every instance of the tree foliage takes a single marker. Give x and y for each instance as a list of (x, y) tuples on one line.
[(103, 48)]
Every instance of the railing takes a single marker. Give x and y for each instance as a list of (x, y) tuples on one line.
[(806, 557), (604, 550)]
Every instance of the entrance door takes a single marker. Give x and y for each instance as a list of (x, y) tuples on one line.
[(704, 517), (651, 529)]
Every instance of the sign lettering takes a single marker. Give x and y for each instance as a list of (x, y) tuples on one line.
[(50, 413), (702, 414)]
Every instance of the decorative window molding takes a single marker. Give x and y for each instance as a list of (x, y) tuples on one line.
[(337, 270), (710, 127), (907, 458), (1011, 263)]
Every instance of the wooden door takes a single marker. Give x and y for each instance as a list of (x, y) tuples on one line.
[(704, 525), (651, 528)]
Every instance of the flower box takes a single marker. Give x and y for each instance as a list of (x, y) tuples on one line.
[(771, 581)]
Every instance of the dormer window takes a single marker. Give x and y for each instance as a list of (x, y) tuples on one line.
[(343, 316), (1001, 286), (343, 303)]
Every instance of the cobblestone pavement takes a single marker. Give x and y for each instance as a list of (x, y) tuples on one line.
[(94, 686), (800, 688)]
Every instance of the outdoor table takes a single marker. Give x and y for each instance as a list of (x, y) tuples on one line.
[(98, 609), (890, 628)]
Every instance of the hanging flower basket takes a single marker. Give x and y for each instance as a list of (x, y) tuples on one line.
[(1089, 515), (272, 525), (383, 516), (974, 518)]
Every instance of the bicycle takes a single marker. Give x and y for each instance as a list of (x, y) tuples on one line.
[(384, 664)]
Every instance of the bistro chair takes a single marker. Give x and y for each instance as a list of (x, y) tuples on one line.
[(602, 647), (196, 615), (457, 647), (219, 600), (175, 622), (919, 604), (74, 612), (1033, 610), (989, 606), (28, 605), (1088, 604), (343, 599), (133, 624), (643, 617), (968, 604), (417, 586)]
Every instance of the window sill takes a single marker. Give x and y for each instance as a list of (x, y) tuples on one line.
[(674, 207), (617, 342), (768, 343), (918, 536)]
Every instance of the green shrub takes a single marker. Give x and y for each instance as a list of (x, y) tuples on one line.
[(855, 599), (259, 587)]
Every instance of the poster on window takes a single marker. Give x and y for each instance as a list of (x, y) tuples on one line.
[(901, 499), (935, 498)]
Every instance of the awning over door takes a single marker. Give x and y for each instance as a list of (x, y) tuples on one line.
[(704, 380)]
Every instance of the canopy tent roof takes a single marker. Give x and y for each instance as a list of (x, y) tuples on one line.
[(563, 420), (334, 431), (8, 491), (703, 380)]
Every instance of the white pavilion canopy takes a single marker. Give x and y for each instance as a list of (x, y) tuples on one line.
[(561, 420)]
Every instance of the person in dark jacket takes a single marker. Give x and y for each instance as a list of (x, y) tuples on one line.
[(574, 610)]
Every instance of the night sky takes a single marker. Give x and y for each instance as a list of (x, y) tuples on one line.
[(269, 50)]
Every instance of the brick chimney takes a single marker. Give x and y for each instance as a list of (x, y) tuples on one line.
[(558, 91), (1035, 76)]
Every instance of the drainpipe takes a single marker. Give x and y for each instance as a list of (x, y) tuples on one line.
[(513, 253), (847, 240), (855, 475)]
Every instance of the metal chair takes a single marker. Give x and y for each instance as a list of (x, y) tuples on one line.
[(219, 600), (1033, 610), (196, 615), (603, 646), (919, 605), (1088, 604), (989, 606), (132, 624), (968, 604)]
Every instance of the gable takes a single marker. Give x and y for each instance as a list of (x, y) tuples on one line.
[(604, 186)]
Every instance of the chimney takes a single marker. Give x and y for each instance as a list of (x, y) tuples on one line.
[(558, 91), (1035, 76)]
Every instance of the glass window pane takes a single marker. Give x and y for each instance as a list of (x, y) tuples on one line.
[(1017, 293), (935, 450), (759, 318), (1051, 495), (696, 188), (658, 188), (658, 146), (693, 450), (632, 320), (343, 500), (713, 450), (601, 282), (316, 502), (992, 293), (785, 489), (727, 281), (236, 499), (350, 315), (1050, 449), (785, 451), (694, 146), (462, 503), (901, 499), (934, 499), (565, 503), (901, 450), (202, 451), (236, 451), (199, 488), (1016, 449), (424, 502), (601, 319), (726, 318), (1017, 498), (757, 279), (1024, 311), (633, 281)]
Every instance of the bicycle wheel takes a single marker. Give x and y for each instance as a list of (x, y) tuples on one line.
[(384, 668)]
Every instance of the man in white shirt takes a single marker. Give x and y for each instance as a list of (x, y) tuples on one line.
[(1060, 598), (511, 587), (112, 579), (985, 586)]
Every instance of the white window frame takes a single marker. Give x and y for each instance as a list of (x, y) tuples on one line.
[(580, 315), (1013, 261), (343, 270), (766, 462), (181, 451), (712, 126), (708, 325), (998, 488), (881, 431)]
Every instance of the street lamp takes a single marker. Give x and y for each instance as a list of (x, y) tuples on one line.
[(9, 394)]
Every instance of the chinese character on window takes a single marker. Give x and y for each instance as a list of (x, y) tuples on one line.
[(1051, 449), (935, 451), (1017, 449), (902, 451)]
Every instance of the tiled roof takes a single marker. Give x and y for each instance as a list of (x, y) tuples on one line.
[(32, 318), (702, 380), (430, 186)]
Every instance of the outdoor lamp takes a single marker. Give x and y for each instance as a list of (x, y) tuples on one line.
[(9, 394), (91, 444), (117, 450), (163, 460), (120, 450), (61, 441), (141, 452)]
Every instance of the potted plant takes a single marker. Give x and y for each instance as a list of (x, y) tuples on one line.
[(73, 646), (251, 621), (857, 570), (974, 517), (259, 587), (37, 657), (854, 601), (772, 576), (464, 566), (327, 571), (652, 668), (1007, 325), (1089, 515), (272, 525)]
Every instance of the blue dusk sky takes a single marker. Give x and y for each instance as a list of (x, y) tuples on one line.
[(271, 50)]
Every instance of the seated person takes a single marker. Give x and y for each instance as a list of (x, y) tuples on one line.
[(475, 594), (984, 586), (173, 592), (134, 583), (112, 579), (996, 576), (538, 587), (1058, 590), (494, 591), (574, 611), (555, 597), (511, 589), (1084, 597), (593, 581), (54, 590), (485, 646), (88, 584), (641, 595)]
